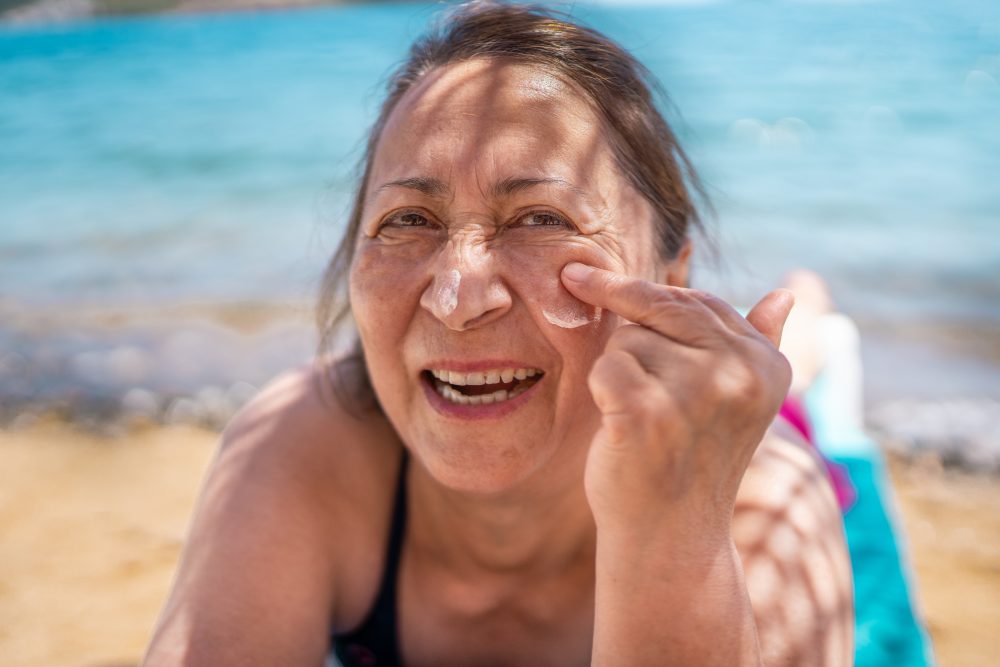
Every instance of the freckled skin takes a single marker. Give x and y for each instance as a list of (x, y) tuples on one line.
[(471, 126)]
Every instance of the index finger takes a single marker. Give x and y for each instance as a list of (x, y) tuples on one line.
[(662, 308)]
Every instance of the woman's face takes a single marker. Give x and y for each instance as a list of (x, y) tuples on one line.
[(488, 179)]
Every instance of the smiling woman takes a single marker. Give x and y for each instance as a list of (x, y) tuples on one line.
[(546, 449)]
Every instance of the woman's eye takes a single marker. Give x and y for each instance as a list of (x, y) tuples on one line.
[(542, 219), (407, 219)]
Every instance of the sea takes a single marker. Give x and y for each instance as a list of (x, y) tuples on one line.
[(172, 186)]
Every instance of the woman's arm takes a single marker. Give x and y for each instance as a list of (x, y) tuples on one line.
[(792, 562), (687, 393), (256, 580)]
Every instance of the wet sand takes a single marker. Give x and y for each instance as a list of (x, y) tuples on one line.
[(92, 527)]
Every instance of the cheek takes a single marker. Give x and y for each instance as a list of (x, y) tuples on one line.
[(535, 273), (382, 275), (381, 270)]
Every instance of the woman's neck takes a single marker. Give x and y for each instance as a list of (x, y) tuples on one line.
[(542, 526)]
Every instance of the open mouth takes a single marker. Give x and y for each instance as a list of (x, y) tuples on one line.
[(482, 387)]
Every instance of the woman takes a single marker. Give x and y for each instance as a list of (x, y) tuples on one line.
[(547, 451)]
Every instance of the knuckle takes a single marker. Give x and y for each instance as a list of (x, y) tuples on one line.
[(604, 368), (783, 370), (618, 284), (659, 299), (627, 337), (698, 295), (617, 382), (734, 376), (612, 370), (649, 405), (646, 297)]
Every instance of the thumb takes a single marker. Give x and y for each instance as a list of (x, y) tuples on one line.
[(770, 313)]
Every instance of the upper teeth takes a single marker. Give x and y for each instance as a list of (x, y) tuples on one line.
[(492, 376)]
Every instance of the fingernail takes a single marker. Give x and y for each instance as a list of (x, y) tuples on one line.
[(577, 272)]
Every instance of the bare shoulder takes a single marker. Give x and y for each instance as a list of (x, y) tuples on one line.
[(789, 532), (296, 498), (299, 430)]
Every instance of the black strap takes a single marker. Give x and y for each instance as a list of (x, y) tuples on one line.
[(375, 643)]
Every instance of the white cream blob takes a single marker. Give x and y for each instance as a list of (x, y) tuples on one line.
[(447, 293), (570, 318)]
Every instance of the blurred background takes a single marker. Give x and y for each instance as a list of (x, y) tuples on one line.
[(173, 180)]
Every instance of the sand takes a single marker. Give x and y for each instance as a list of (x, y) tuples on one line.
[(92, 528), (952, 525)]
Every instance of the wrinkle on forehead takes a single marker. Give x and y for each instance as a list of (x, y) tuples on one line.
[(465, 114), (473, 124), (480, 84)]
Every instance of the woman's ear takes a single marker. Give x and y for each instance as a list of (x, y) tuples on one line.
[(675, 271)]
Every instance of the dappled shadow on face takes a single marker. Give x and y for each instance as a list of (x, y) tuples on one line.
[(492, 120)]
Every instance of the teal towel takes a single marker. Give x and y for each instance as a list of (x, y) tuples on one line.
[(888, 632)]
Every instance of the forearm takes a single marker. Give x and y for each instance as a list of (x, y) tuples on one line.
[(661, 602)]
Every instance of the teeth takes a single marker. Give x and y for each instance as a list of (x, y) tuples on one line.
[(492, 376), (449, 378)]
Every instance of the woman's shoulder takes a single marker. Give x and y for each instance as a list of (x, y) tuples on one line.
[(295, 502), (303, 440), (316, 422), (316, 438)]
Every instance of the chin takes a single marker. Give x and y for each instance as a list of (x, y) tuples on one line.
[(479, 469)]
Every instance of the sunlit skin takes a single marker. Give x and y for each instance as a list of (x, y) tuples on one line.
[(527, 185), (593, 519), (438, 205)]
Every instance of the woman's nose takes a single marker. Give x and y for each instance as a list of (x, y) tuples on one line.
[(466, 292)]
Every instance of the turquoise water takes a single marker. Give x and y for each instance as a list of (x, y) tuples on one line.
[(210, 158)]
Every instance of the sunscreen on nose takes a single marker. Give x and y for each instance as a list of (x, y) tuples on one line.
[(447, 292)]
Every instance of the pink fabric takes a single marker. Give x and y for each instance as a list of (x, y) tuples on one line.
[(794, 412)]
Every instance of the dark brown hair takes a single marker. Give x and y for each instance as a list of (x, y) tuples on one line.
[(617, 85)]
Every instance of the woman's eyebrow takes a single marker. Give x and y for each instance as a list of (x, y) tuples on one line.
[(510, 186), (432, 187), (436, 188)]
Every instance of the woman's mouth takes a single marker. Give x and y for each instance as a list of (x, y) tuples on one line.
[(482, 387)]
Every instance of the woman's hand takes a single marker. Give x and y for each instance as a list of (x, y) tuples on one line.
[(686, 392)]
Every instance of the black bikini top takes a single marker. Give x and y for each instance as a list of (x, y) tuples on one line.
[(375, 643)]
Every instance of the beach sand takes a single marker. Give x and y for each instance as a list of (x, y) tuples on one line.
[(92, 527)]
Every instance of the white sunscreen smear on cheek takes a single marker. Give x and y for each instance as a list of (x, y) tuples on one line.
[(569, 318), (447, 295)]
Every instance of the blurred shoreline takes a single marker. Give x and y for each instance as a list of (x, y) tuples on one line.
[(57, 11), (93, 526), (108, 368)]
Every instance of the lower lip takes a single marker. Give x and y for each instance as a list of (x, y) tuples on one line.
[(472, 412)]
